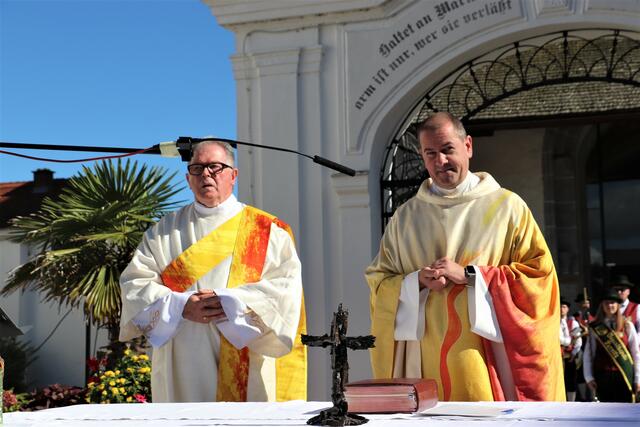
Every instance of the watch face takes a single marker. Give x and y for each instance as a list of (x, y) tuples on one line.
[(469, 271)]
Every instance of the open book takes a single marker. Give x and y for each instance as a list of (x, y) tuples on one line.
[(391, 395)]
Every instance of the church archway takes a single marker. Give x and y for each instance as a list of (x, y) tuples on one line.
[(566, 74)]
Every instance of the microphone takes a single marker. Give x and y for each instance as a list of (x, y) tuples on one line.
[(184, 147)]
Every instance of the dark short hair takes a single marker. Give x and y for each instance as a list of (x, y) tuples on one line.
[(436, 121)]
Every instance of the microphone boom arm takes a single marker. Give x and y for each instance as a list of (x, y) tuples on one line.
[(184, 147), (185, 143)]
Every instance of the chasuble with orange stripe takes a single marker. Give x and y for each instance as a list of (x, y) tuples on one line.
[(491, 228), (252, 254)]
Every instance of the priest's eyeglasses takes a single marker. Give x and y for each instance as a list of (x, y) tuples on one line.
[(214, 168)]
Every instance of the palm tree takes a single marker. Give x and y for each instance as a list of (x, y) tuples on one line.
[(87, 236)]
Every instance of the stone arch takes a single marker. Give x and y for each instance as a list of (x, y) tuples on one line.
[(476, 91)]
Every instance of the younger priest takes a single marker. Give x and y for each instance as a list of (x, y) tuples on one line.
[(463, 289), (216, 288)]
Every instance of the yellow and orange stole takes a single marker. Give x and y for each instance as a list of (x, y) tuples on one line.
[(246, 236)]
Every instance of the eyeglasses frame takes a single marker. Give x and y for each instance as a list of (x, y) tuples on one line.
[(207, 167)]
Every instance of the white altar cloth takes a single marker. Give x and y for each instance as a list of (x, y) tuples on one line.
[(526, 414)]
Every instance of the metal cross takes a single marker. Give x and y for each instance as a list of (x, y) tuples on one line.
[(339, 343)]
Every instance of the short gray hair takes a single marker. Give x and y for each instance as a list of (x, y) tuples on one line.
[(228, 149)]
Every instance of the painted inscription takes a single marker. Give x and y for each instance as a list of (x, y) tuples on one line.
[(441, 21)]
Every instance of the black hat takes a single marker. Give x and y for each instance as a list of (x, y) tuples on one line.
[(580, 298), (564, 302), (612, 295), (621, 281)]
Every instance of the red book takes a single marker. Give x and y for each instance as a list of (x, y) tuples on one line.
[(391, 395)]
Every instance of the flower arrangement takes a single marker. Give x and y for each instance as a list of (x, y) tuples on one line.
[(128, 381), (14, 401)]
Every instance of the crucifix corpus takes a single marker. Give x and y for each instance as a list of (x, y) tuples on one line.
[(339, 342)]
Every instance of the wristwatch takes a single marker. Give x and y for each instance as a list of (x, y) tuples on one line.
[(469, 272)]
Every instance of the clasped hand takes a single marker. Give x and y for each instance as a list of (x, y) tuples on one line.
[(203, 307), (437, 276)]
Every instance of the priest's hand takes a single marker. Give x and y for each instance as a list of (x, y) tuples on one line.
[(427, 279), (451, 270), (203, 307)]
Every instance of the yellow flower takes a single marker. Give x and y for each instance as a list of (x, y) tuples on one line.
[(134, 358), (144, 370), (115, 391), (112, 383), (91, 385), (127, 352), (122, 380), (117, 372), (130, 370), (109, 374), (129, 399), (101, 387), (101, 377), (104, 392), (144, 357), (122, 390)]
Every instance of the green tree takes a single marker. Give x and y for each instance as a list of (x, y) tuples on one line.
[(87, 236)]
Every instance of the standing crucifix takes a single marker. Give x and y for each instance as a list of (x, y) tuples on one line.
[(339, 342)]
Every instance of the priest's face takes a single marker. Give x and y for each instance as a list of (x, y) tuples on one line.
[(446, 154), (212, 188)]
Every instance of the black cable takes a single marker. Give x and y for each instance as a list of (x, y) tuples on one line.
[(183, 145), (250, 144), (89, 159), (185, 141)]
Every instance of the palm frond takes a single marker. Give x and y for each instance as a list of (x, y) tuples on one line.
[(86, 236)]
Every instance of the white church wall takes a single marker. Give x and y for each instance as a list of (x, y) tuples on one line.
[(9, 257), (304, 81)]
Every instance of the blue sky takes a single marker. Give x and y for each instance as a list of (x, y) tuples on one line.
[(122, 73)]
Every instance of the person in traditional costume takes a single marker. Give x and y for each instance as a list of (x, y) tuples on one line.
[(571, 343), (216, 288), (611, 356), (630, 309), (584, 317), (463, 289)]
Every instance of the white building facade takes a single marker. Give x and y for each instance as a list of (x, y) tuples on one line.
[(338, 79)]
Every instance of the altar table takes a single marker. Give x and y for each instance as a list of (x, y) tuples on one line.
[(295, 413)]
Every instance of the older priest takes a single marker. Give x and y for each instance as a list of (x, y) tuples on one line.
[(464, 290), (216, 287)]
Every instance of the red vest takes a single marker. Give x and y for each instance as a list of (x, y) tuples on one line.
[(631, 312), (584, 322)]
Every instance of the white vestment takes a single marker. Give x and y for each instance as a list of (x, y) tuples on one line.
[(185, 364)]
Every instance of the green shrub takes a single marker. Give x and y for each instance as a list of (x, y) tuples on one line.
[(55, 396), (17, 357)]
